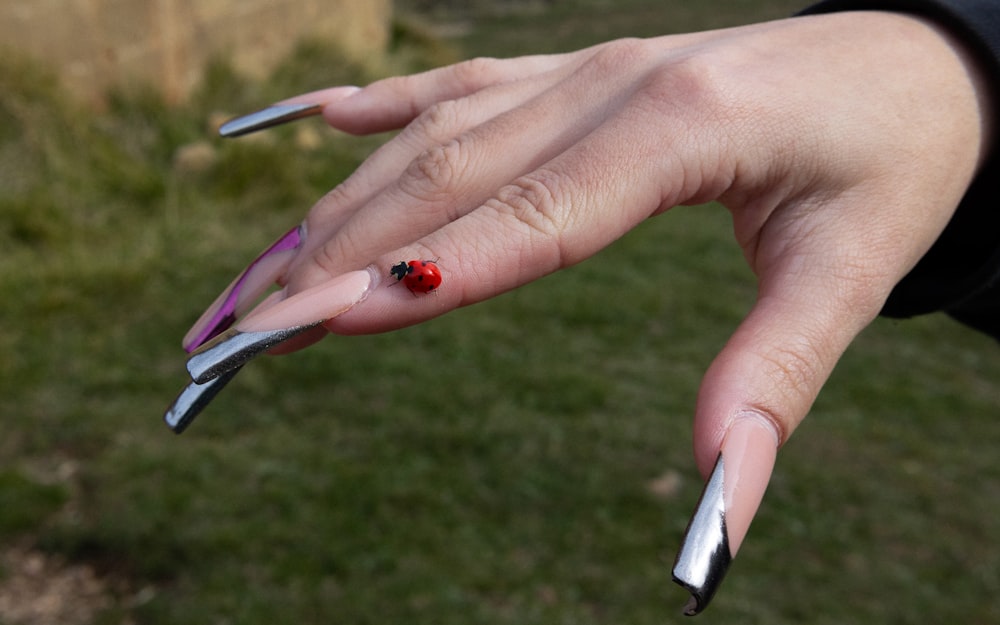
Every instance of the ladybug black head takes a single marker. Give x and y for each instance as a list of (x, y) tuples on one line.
[(400, 269)]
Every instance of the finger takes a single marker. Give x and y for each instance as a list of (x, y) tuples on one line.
[(814, 297), (810, 306), (379, 114), (448, 180), (392, 103), (552, 217), (440, 124), (444, 120), (342, 205)]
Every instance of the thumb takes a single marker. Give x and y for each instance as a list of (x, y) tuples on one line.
[(766, 378), (755, 393)]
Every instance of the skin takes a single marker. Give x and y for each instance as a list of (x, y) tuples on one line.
[(841, 144)]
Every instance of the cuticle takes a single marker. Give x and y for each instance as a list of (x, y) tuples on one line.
[(761, 416), (375, 277)]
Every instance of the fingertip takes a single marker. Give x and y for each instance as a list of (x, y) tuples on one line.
[(367, 110)]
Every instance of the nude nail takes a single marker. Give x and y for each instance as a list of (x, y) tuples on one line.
[(750, 449), (727, 506), (277, 320)]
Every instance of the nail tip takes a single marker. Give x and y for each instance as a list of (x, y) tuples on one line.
[(705, 555), (693, 606), (702, 594), (268, 117), (192, 400)]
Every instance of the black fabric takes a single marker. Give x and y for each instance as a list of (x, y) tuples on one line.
[(960, 275)]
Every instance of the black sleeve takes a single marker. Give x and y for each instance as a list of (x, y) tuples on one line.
[(960, 275)]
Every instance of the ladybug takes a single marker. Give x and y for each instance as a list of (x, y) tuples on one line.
[(420, 276)]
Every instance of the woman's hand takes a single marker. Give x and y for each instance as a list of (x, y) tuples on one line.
[(840, 143)]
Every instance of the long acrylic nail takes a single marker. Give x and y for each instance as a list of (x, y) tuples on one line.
[(726, 508), (266, 118), (276, 321), (705, 552), (259, 276), (233, 349), (193, 399)]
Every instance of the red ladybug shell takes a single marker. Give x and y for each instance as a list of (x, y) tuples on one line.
[(420, 276)]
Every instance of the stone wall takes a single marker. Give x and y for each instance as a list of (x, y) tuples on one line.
[(94, 44)]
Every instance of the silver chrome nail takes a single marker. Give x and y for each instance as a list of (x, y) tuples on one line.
[(266, 118), (704, 556), (233, 349), (193, 399)]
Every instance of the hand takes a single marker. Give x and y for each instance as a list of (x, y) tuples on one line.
[(840, 143)]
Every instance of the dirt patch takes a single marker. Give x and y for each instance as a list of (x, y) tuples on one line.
[(38, 589), (667, 486)]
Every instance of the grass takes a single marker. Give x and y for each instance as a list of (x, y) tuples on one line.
[(330, 487)]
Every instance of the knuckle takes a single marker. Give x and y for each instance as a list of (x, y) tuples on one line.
[(693, 84), (609, 59), (534, 201), (438, 122), (436, 173), (328, 258), (476, 73), (525, 216), (322, 263), (332, 204), (860, 290), (794, 369), (443, 115)]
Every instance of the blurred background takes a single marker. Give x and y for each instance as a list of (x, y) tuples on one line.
[(525, 460)]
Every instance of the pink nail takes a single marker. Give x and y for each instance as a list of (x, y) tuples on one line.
[(326, 301), (277, 320)]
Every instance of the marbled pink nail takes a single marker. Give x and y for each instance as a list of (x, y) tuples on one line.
[(259, 276)]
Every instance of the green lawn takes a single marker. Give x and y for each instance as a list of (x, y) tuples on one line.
[(326, 487)]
